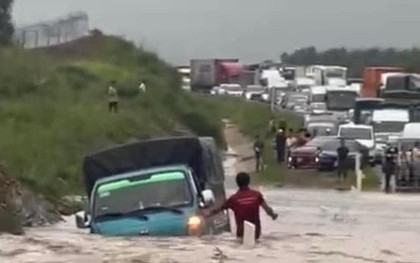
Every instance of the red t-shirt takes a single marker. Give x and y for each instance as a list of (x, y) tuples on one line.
[(246, 206)]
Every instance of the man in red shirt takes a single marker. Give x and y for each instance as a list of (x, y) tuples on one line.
[(246, 206)]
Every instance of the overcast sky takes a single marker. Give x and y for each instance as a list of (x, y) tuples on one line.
[(250, 30)]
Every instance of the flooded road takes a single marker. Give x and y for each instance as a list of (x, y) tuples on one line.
[(313, 226)]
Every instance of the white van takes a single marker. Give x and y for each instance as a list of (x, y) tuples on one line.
[(363, 134)]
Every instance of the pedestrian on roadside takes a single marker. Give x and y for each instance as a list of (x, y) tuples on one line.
[(342, 157), (142, 87), (112, 98), (290, 140), (280, 145), (258, 150), (245, 204), (389, 167), (302, 139)]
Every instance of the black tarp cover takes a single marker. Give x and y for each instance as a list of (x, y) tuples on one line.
[(143, 155)]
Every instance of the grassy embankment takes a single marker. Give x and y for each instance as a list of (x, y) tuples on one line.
[(54, 109)]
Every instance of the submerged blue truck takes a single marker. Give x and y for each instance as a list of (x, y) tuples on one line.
[(154, 188)]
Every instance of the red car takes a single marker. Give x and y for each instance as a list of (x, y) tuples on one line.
[(304, 157)]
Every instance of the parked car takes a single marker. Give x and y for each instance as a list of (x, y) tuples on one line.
[(304, 157), (327, 154)]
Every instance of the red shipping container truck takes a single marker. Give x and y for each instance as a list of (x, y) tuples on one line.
[(208, 73), (372, 80)]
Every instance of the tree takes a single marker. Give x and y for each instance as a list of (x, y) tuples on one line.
[(6, 26)]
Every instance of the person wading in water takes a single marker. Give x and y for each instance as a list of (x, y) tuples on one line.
[(245, 204)]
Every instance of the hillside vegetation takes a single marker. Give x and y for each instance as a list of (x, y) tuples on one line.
[(54, 109)]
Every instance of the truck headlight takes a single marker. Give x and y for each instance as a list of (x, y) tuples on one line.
[(195, 225)]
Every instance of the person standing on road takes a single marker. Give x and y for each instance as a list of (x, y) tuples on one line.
[(389, 166), (258, 150), (342, 156), (280, 145), (245, 204), (112, 98)]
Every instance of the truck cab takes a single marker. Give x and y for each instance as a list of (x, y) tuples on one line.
[(154, 188), (317, 94), (364, 107), (328, 75)]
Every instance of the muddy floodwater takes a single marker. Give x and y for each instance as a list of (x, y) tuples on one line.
[(313, 226)]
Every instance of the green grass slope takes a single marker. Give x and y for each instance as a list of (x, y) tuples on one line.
[(53, 108)]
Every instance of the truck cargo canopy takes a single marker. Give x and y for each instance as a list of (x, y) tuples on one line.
[(143, 155)]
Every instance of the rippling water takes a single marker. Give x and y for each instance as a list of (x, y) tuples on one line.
[(314, 226)]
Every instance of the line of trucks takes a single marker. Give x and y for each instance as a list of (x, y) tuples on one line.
[(205, 74), (385, 86)]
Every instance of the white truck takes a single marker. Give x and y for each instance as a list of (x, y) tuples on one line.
[(328, 75), (388, 125)]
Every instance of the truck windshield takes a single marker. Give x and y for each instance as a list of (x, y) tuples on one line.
[(166, 189), (355, 133), (318, 97), (389, 126), (341, 100), (298, 99), (335, 73)]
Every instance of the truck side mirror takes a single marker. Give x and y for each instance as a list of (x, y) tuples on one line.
[(208, 197), (82, 220)]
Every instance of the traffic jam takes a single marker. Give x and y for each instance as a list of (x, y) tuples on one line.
[(376, 116)]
